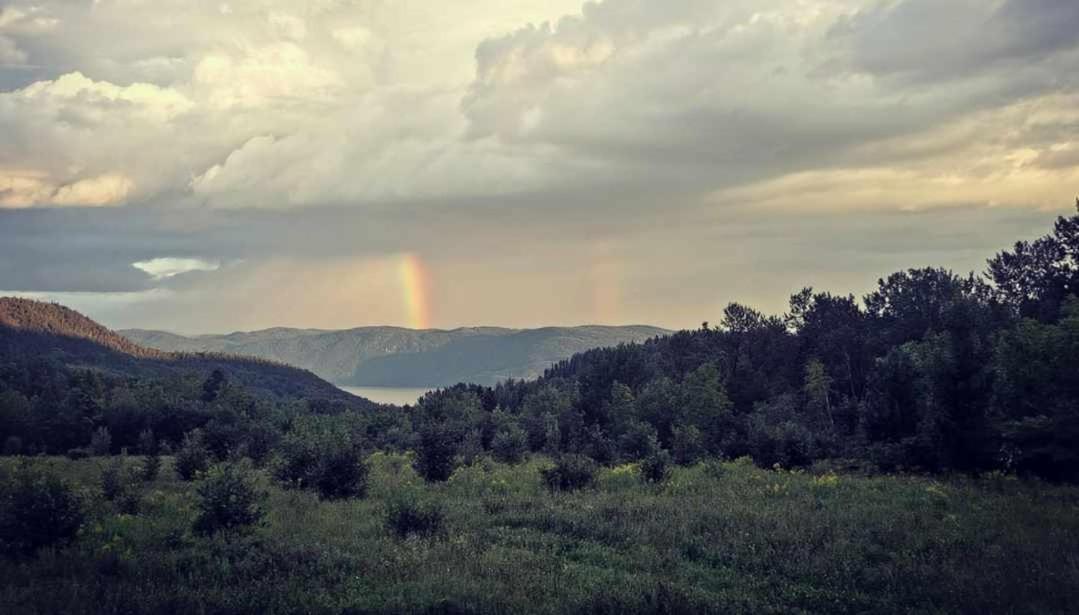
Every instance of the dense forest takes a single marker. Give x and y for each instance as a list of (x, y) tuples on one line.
[(930, 372)]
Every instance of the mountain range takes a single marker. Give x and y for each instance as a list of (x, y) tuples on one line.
[(398, 357), (38, 331)]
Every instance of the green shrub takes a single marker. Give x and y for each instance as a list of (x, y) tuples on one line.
[(656, 467), (228, 500), (129, 501), (570, 472), (409, 517), (471, 449), (341, 474), (638, 442), (312, 456), (510, 444), (193, 456), (37, 510), (687, 445), (118, 486), (151, 467), (435, 453), (112, 479)]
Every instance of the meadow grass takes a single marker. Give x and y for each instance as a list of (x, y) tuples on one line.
[(715, 537)]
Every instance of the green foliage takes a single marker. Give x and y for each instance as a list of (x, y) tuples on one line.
[(113, 481), (570, 473), (687, 445), (193, 456), (229, 500), (656, 468), (37, 510), (317, 454), (150, 468), (435, 453), (737, 540), (119, 485), (638, 442), (510, 444), (341, 474), (409, 516)]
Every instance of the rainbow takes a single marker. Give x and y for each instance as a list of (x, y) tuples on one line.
[(415, 286)]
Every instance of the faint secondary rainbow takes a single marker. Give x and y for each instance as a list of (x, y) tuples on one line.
[(415, 284)]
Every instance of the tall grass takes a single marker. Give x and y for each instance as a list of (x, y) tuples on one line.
[(721, 538)]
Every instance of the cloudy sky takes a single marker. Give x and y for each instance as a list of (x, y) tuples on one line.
[(213, 166)]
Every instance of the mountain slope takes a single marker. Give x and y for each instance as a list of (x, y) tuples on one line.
[(393, 356), (31, 330)]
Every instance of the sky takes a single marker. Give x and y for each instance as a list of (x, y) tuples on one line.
[(217, 166)]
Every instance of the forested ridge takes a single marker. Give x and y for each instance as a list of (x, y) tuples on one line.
[(63, 377), (931, 371)]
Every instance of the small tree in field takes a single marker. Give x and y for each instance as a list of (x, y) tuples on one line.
[(341, 474), (435, 454), (228, 500), (656, 467), (193, 457), (36, 510), (314, 456), (571, 472)]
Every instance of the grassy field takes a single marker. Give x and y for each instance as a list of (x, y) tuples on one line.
[(714, 538)]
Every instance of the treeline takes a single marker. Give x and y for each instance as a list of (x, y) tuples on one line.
[(931, 371)]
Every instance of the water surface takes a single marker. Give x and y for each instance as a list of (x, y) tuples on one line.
[(389, 395)]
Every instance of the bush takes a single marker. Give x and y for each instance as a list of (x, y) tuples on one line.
[(656, 467), (687, 445), (112, 479), (193, 456), (101, 442), (229, 500), (510, 444), (341, 474), (37, 510), (570, 472), (151, 467), (409, 517), (314, 457), (638, 442), (118, 486), (471, 449), (435, 453)]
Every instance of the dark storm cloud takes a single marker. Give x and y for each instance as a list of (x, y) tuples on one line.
[(960, 38)]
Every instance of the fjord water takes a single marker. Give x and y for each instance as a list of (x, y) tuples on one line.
[(389, 395)]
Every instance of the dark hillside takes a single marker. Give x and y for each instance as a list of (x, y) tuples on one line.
[(39, 330)]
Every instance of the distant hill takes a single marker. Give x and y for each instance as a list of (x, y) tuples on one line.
[(31, 330), (393, 356)]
